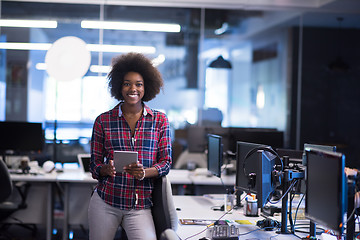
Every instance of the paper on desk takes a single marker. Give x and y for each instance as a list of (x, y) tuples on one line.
[(196, 221), (245, 222)]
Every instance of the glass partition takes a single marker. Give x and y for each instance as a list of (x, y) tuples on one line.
[(269, 49)]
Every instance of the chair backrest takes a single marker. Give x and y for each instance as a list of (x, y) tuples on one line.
[(163, 210), (6, 183)]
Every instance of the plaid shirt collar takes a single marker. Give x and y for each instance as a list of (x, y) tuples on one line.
[(118, 111)]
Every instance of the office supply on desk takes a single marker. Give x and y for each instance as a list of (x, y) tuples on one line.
[(224, 232), (204, 222), (200, 208), (124, 158)]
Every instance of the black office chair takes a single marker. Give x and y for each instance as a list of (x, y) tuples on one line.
[(6, 188), (163, 210), (7, 207)]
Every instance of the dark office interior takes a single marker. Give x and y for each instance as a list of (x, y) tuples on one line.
[(292, 75)]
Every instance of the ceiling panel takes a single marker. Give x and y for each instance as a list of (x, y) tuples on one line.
[(224, 4)]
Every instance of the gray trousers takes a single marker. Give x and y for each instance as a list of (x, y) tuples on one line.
[(104, 221)]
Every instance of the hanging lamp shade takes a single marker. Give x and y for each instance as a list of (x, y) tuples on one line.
[(220, 62), (68, 59)]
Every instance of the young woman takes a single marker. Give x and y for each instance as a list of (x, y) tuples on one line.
[(124, 198)]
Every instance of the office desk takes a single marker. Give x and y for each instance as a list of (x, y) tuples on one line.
[(77, 188), (200, 182), (199, 207), (77, 191), (179, 176), (182, 176), (40, 194)]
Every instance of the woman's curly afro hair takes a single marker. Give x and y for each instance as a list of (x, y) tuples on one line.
[(134, 62)]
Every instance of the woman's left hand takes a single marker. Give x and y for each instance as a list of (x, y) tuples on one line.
[(135, 169)]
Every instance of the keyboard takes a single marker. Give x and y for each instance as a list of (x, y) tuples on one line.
[(225, 232)]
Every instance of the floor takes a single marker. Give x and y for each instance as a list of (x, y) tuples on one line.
[(18, 232)]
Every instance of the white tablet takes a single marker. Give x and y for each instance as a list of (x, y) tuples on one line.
[(123, 158)]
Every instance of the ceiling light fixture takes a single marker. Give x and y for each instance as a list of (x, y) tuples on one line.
[(220, 62), (28, 23), (106, 69), (90, 47), (100, 69), (40, 66), (158, 60), (120, 48), (24, 46), (132, 26), (224, 27)]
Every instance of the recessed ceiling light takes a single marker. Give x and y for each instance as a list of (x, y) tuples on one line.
[(28, 23), (132, 26)]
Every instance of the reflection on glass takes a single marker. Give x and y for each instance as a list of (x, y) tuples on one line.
[(216, 91), (262, 45)]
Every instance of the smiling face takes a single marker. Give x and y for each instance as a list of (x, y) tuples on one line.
[(133, 89)]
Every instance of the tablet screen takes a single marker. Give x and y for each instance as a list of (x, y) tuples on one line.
[(123, 158)]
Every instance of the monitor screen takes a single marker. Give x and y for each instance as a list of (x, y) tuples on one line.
[(295, 156), (214, 155), (84, 161), (265, 186), (264, 136), (251, 164), (21, 136), (320, 147), (197, 137), (325, 188), (308, 146)]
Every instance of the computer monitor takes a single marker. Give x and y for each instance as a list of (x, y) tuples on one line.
[(266, 136), (318, 147), (329, 148), (264, 184), (21, 137), (214, 154), (326, 188), (295, 156), (251, 164), (196, 139), (296, 160), (84, 161), (257, 163)]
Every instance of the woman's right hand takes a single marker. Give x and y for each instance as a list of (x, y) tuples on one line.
[(108, 169)]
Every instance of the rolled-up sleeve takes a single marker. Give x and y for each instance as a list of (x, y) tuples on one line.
[(164, 153), (97, 146)]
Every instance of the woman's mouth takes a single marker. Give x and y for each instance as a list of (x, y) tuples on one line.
[(133, 95)]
